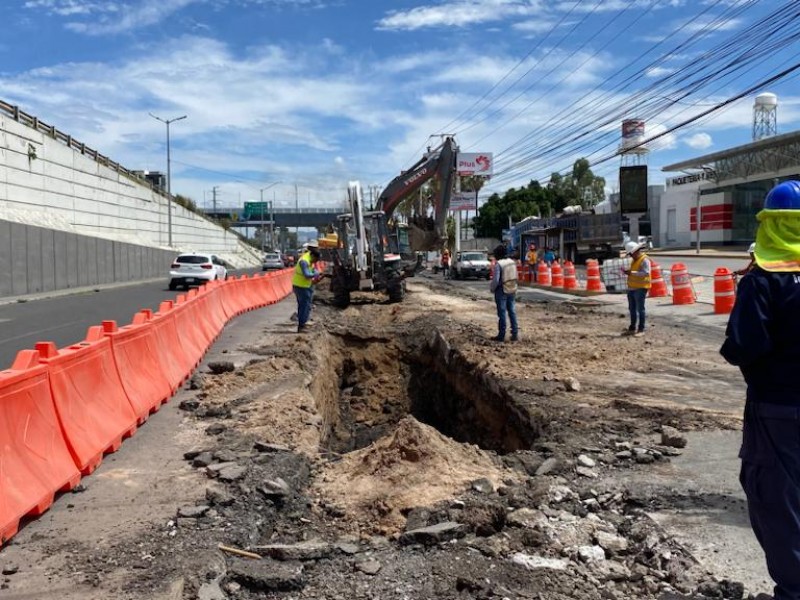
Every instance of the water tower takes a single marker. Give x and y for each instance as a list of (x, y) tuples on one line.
[(632, 149), (765, 116)]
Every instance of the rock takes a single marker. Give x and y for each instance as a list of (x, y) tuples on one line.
[(196, 381), (589, 554), (584, 472), (672, 438), (215, 429), (483, 486), (434, 534), (272, 448), (189, 405), (193, 512), (275, 489), (526, 517), (612, 570), (572, 385), (308, 550), (548, 466), (203, 459), (347, 548), (223, 366), (612, 543), (644, 459), (561, 493), (624, 455), (232, 473), (267, 575), (211, 591), (10, 569), (225, 456), (585, 461), (532, 562), (217, 495), (370, 566)]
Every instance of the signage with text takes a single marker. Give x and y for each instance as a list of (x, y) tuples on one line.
[(464, 201), (474, 163), (633, 189)]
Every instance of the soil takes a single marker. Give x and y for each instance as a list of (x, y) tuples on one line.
[(396, 452)]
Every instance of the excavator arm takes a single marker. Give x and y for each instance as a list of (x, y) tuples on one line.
[(440, 164)]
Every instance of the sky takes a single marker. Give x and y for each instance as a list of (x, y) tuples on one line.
[(288, 100)]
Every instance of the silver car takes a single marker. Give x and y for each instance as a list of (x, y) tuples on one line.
[(196, 269), (272, 260)]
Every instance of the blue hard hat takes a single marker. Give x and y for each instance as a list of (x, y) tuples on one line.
[(784, 196)]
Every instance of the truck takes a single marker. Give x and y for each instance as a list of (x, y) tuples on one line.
[(574, 235), (471, 264), (377, 253)]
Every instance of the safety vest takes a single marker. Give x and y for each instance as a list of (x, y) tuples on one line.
[(508, 275), (638, 282), (299, 279)]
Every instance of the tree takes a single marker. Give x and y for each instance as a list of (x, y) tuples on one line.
[(514, 205), (581, 187)]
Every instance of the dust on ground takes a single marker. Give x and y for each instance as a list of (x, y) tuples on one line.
[(395, 451)]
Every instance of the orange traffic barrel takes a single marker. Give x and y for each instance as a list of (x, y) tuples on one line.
[(524, 274), (682, 292), (557, 275), (593, 283), (724, 291), (570, 282), (543, 274), (658, 287)]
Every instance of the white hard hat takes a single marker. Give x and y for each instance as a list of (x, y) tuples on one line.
[(752, 248), (632, 247)]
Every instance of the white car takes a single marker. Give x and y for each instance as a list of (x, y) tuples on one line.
[(272, 260), (196, 269), (470, 263)]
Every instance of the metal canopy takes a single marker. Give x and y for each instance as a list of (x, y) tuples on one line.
[(763, 157)]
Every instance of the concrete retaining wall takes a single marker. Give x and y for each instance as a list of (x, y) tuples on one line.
[(51, 181), (35, 260)]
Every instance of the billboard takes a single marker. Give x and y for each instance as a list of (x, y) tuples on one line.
[(633, 189), (464, 201), (474, 163)]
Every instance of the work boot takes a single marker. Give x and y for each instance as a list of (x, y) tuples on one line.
[(498, 338), (515, 338), (629, 331), (301, 329)]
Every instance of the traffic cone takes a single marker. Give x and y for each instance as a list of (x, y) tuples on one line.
[(724, 291), (593, 283), (658, 287), (682, 291), (543, 274), (570, 282), (557, 275)]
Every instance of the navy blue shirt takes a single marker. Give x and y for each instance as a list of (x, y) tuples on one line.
[(763, 336)]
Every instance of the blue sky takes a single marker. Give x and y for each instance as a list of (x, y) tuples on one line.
[(313, 93)]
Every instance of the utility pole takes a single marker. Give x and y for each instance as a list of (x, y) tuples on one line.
[(169, 177), (214, 199)]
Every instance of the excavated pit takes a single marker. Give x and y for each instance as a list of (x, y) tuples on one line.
[(379, 382)]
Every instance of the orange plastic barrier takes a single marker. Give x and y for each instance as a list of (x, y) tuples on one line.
[(90, 401), (524, 274), (172, 355), (724, 291), (35, 461), (543, 274), (593, 283), (192, 338), (682, 291), (136, 358), (557, 275), (658, 287), (205, 325), (570, 281)]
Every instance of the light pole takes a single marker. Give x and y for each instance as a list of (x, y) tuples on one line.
[(263, 237), (169, 177)]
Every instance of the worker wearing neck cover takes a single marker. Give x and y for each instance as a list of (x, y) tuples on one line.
[(763, 340), (638, 286), (303, 280)]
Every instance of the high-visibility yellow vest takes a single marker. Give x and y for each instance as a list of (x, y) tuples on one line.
[(299, 279), (638, 282)]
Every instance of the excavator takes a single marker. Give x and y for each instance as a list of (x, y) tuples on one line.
[(377, 253)]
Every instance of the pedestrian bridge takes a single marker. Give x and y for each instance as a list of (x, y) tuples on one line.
[(278, 217)]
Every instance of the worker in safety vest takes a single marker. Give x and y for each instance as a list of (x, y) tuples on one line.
[(305, 276), (504, 287), (762, 340), (638, 284)]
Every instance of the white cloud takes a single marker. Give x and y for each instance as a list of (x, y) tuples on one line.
[(129, 17), (658, 72), (699, 141), (461, 13)]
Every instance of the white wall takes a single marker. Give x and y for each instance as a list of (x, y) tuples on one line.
[(61, 188)]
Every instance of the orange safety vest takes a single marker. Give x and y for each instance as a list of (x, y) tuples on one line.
[(638, 281)]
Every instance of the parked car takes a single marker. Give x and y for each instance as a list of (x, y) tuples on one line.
[(195, 269), (272, 260)]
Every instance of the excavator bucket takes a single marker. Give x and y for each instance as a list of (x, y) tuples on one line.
[(423, 240)]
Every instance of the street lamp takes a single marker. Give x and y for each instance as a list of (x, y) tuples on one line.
[(271, 217), (169, 177)]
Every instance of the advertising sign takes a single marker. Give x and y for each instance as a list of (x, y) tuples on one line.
[(633, 189), (474, 163), (464, 201)]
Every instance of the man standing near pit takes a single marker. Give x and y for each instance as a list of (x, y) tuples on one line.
[(762, 340), (638, 285), (305, 276), (504, 286)]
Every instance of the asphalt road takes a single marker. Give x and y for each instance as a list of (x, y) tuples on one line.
[(65, 319)]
